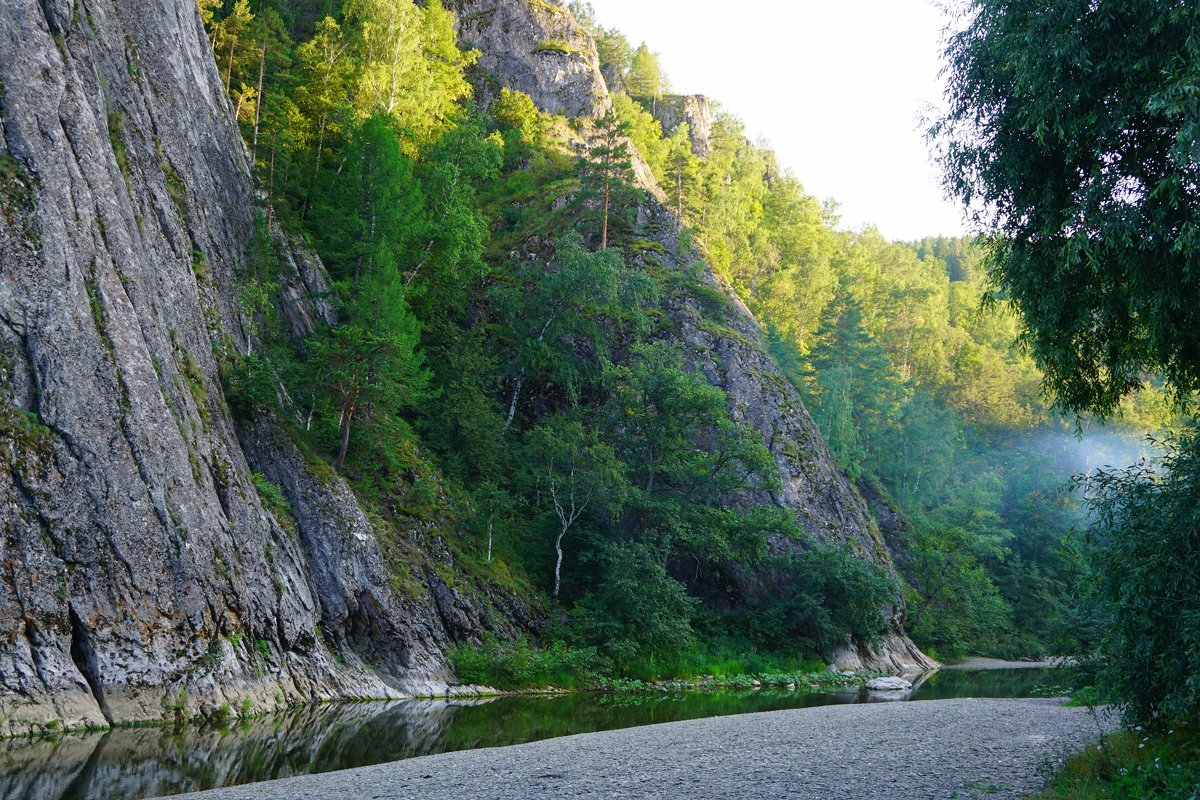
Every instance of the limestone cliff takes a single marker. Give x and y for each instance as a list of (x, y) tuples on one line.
[(141, 575), (537, 47), (731, 352), (694, 110)]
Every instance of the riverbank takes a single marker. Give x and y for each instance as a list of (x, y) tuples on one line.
[(975, 748), (977, 662)]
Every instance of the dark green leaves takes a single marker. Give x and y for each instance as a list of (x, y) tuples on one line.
[(1071, 135)]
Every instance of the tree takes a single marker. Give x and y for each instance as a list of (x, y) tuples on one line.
[(232, 38), (646, 77), (371, 200), (1146, 541), (1071, 134), (682, 173), (325, 74), (550, 312), (576, 473), (370, 365), (410, 67), (687, 458), (852, 385), (607, 172)]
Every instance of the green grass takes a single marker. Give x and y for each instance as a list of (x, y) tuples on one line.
[(556, 46), (1131, 765), (274, 500), (520, 665), (549, 8), (116, 136)]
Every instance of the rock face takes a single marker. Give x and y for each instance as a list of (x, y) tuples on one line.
[(723, 340), (141, 575), (537, 47), (675, 110)]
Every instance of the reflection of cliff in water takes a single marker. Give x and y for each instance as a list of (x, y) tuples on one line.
[(133, 763), (148, 762)]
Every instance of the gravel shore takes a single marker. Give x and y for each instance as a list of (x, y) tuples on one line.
[(878, 751), (976, 662)]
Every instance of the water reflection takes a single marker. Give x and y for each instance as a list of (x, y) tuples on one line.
[(134, 763)]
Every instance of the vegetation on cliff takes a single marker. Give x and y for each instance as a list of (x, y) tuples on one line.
[(507, 366)]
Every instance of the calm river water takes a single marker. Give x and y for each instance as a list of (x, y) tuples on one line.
[(134, 763)]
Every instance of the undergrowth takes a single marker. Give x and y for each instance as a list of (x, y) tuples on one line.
[(1132, 765)]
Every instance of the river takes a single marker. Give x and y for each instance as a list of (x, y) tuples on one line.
[(135, 763)]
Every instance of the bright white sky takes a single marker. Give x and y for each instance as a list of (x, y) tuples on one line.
[(837, 87)]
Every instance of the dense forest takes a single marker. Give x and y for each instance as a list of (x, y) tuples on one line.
[(502, 366)]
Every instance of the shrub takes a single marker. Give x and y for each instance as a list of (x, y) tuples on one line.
[(1146, 542), (556, 46), (520, 665), (824, 594), (637, 611)]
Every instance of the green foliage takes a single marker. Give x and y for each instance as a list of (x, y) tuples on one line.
[(488, 371), (116, 136), (1144, 554), (637, 610), (823, 595), (645, 132), (646, 77), (606, 172), (519, 665), (1092, 206), (1091, 209), (1131, 765), (272, 497), (556, 46)]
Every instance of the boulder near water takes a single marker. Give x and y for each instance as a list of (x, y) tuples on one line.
[(889, 685)]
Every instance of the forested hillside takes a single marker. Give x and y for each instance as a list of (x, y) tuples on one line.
[(503, 356)]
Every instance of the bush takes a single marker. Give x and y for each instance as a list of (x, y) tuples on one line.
[(1146, 542), (520, 665), (638, 611), (824, 594), (1131, 765)]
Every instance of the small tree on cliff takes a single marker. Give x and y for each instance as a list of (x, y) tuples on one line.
[(607, 174), (575, 474)]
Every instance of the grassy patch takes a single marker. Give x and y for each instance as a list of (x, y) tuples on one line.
[(116, 136), (520, 665), (175, 188), (1131, 765), (549, 8), (274, 500), (557, 46)]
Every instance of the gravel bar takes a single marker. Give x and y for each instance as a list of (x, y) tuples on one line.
[(874, 751)]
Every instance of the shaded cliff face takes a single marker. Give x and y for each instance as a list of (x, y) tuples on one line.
[(537, 47), (140, 574), (730, 350), (676, 109)]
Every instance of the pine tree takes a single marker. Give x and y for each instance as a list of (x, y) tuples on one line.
[(607, 173)]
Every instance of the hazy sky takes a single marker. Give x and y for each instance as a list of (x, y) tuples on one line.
[(837, 87)]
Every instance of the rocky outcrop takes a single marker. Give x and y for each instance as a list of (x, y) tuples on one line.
[(694, 111), (147, 565), (536, 47), (723, 340), (141, 573)]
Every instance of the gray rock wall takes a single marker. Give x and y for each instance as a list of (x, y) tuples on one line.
[(537, 47), (140, 574), (675, 110)]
